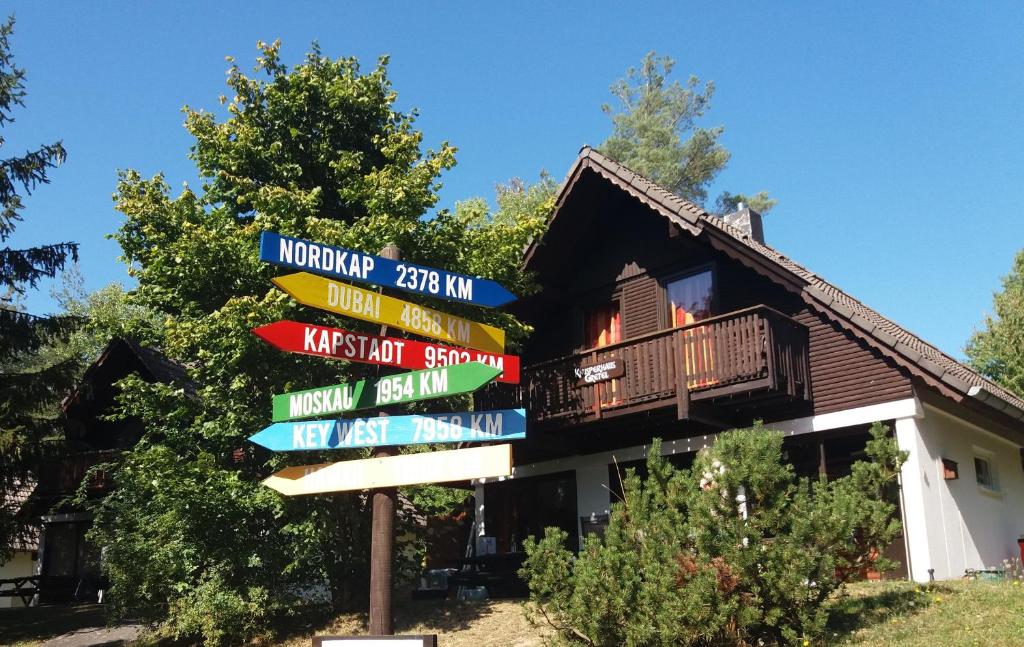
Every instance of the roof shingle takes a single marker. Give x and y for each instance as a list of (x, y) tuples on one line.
[(883, 331)]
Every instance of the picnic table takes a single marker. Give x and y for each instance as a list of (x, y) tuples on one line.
[(24, 587)]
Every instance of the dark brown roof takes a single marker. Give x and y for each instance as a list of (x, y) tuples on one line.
[(160, 368), (890, 338)]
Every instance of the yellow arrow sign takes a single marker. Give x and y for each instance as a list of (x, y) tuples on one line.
[(392, 471), (341, 298)]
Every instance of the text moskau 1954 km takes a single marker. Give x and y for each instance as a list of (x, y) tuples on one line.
[(393, 389)]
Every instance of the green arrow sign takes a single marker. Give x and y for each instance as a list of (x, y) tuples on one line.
[(393, 389)]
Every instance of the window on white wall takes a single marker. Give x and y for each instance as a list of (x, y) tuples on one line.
[(985, 472)]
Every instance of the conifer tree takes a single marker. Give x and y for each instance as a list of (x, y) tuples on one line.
[(28, 391), (998, 349), (656, 132)]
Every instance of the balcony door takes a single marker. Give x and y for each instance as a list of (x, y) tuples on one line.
[(603, 327), (689, 299)]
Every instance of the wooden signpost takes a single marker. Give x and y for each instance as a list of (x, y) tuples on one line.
[(336, 343), (391, 471), (351, 301), (420, 429), (351, 265), (442, 371), (393, 389)]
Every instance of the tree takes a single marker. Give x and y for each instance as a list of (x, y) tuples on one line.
[(735, 550), (319, 151), (759, 202), (28, 391), (997, 350), (649, 126)]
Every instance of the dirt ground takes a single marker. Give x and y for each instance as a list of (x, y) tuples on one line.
[(457, 624), (62, 626)]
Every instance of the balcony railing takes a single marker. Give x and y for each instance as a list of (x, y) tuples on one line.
[(62, 475), (756, 351)]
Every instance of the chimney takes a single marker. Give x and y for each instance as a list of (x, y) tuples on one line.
[(747, 221)]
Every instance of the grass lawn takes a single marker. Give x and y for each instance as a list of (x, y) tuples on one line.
[(948, 613), (869, 613)]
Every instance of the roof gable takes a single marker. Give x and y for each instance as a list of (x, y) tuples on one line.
[(922, 359)]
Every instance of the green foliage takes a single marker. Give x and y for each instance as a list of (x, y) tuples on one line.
[(649, 127), (317, 152), (28, 394), (997, 350), (734, 550), (760, 202)]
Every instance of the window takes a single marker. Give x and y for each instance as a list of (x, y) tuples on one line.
[(603, 326), (984, 472), (689, 298)]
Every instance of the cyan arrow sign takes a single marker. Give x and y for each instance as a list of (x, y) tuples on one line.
[(352, 265), (471, 426)]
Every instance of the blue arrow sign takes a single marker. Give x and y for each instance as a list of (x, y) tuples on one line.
[(471, 426), (351, 265)]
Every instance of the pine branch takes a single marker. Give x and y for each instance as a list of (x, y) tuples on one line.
[(21, 332), (19, 267)]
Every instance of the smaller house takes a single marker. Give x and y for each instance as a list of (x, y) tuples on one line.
[(68, 565)]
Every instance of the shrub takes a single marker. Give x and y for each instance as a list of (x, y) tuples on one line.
[(734, 550)]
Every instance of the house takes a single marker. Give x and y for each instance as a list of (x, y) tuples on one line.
[(658, 319), (69, 566)]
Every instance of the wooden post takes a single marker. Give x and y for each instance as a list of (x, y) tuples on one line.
[(382, 532), (382, 549), (822, 464)]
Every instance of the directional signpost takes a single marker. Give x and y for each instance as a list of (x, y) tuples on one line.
[(406, 469), (335, 343), (441, 371), (393, 389), (472, 427), (351, 301), (366, 268)]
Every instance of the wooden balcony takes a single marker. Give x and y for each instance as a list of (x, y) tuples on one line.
[(61, 475), (743, 359)]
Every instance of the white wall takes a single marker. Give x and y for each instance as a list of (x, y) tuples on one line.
[(592, 496), (21, 565), (953, 525)]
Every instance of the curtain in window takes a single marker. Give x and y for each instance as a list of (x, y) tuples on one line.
[(690, 302), (604, 328), (690, 299)]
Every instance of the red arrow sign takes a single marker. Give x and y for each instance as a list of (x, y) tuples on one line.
[(310, 339)]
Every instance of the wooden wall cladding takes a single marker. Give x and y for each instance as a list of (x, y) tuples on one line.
[(845, 372)]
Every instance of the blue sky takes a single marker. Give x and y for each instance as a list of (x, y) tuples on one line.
[(892, 136)]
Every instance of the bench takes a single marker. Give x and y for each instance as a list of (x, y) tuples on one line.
[(20, 587)]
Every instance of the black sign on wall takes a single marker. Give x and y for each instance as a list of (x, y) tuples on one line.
[(602, 371)]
